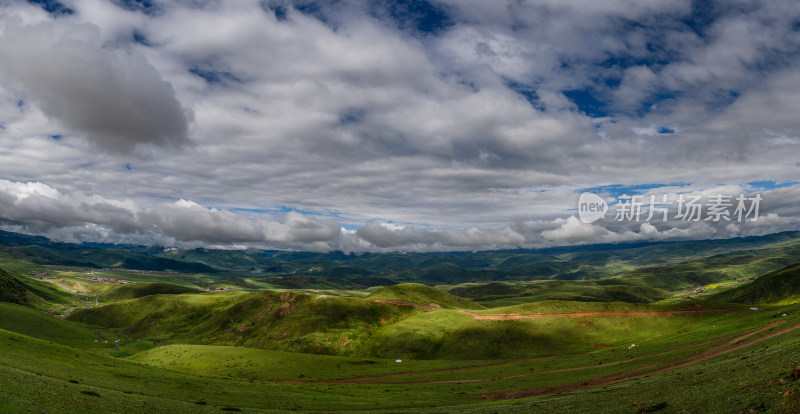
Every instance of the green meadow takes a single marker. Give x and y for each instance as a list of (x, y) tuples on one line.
[(719, 338)]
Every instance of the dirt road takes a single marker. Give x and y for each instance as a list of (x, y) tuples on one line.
[(731, 343), (430, 306), (516, 316), (738, 342)]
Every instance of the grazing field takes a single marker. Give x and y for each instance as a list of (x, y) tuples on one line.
[(746, 357), (419, 294), (118, 340), (27, 321)]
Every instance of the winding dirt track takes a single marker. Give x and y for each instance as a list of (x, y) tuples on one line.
[(516, 316), (430, 306), (367, 380), (732, 342)]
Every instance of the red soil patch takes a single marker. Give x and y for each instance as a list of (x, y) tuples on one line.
[(371, 379), (734, 344), (429, 307), (516, 316)]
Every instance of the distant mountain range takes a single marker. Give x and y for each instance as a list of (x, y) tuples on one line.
[(686, 263)]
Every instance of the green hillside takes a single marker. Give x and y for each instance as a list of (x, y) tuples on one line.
[(43, 376), (604, 290), (29, 291), (258, 351), (576, 328), (36, 324), (40, 250), (261, 364), (779, 286), (11, 289), (141, 289), (423, 295), (349, 326), (668, 266), (281, 321)]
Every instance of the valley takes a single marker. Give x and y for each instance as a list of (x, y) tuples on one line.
[(703, 327)]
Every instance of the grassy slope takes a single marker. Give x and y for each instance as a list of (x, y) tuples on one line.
[(738, 382), (34, 323), (37, 374), (567, 306), (358, 327), (496, 294), (270, 365), (15, 288), (688, 263), (451, 335), (423, 295), (721, 267), (355, 327), (12, 289), (284, 321), (73, 276), (43, 376), (779, 286), (644, 274), (669, 266), (349, 326), (115, 292), (267, 365)]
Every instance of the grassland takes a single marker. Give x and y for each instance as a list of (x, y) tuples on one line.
[(41, 375), (27, 321), (669, 328), (781, 286), (424, 295)]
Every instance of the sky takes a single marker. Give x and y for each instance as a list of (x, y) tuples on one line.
[(398, 125)]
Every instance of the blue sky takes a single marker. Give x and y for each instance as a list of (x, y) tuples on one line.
[(367, 125), (616, 190)]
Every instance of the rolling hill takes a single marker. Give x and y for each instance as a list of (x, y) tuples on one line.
[(422, 295), (285, 321), (664, 265), (27, 321), (11, 289), (775, 287), (601, 290), (28, 291), (40, 250), (592, 345), (141, 289)]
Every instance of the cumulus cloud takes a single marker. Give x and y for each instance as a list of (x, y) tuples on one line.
[(188, 221), (387, 235), (573, 230), (41, 208), (113, 97), (468, 124)]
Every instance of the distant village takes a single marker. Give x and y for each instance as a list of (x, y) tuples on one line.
[(105, 280), (43, 276), (218, 289), (90, 277)]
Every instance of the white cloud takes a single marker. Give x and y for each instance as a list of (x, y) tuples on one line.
[(39, 207), (573, 230), (113, 97), (361, 123)]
